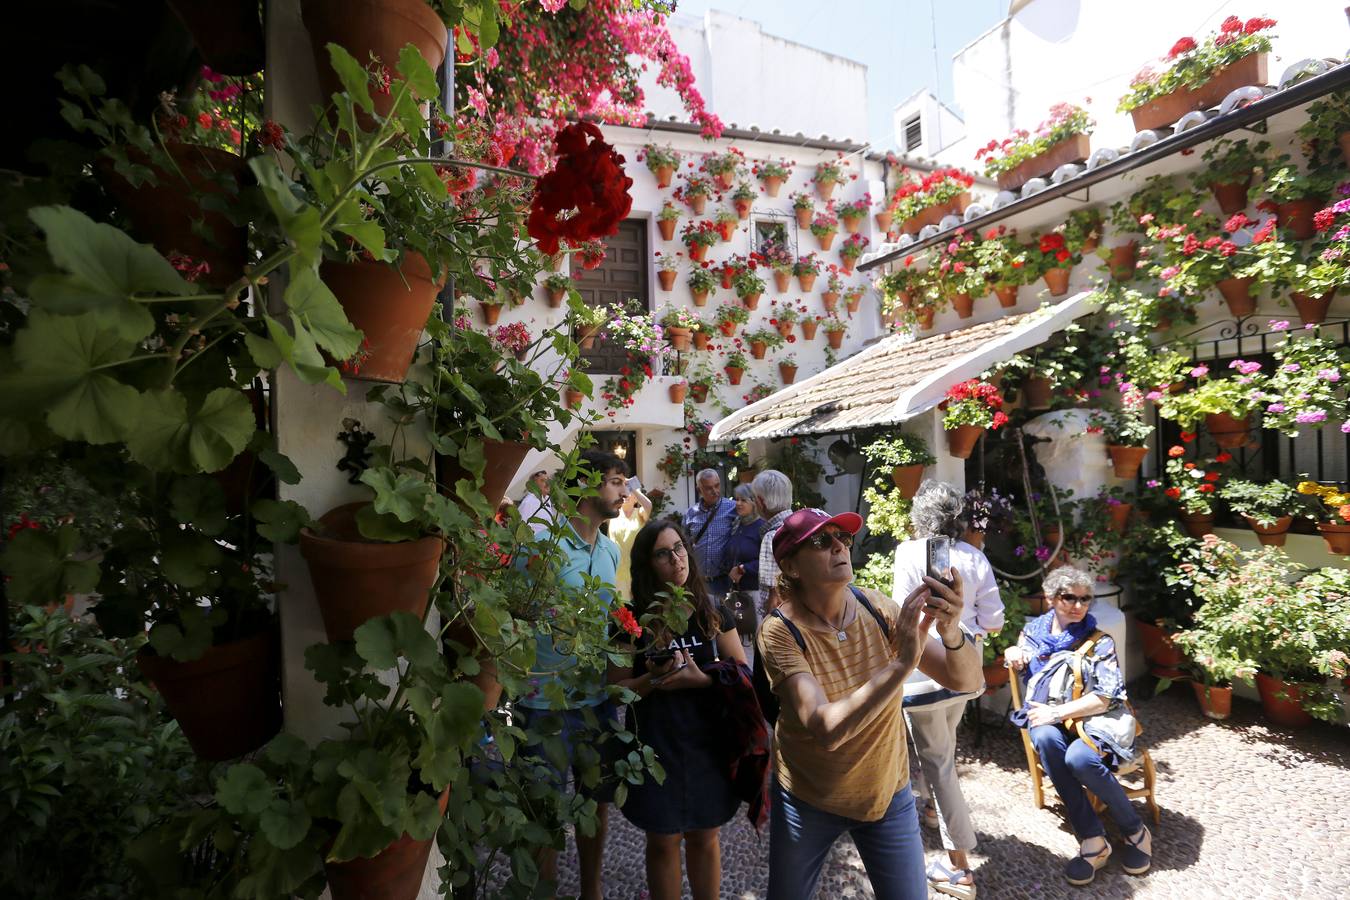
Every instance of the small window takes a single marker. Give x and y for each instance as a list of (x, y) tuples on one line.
[(769, 232), (913, 130)]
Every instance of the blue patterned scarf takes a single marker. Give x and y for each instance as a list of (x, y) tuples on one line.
[(1046, 644)]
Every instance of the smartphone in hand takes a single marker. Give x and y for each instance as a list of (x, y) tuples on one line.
[(938, 553)]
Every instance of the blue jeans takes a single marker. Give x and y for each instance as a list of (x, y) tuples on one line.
[(1072, 766), (800, 837)]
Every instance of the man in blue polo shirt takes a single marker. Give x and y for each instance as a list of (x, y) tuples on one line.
[(586, 553)]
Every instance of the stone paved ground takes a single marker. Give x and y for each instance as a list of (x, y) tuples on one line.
[(1248, 811)]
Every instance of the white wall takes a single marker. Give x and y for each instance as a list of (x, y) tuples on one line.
[(748, 77), (942, 130), (1087, 52)]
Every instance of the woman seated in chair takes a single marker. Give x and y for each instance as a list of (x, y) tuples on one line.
[(1080, 740)]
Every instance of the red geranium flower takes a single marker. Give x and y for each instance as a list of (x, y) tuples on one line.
[(1187, 437), (1224, 457), (1206, 488), (1174, 452), (624, 616), (1174, 493), (1185, 45), (585, 196)]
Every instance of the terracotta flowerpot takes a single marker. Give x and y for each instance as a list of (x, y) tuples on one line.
[(903, 299), (804, 217), (961, 440), (700, 297), (853, 303), (1090, 244), (1271, 535), (726, 276), (1197, 525), (1227, 431), (807, 282), (1297, 217), (728, 329), (1126, 460), (851, 223), (699, 392), (390, 308), (698, 252), (995, 675), (907, 479), (585, 337), (1232, 198), (1007, 295), (751, 301), (925, 317), (1312, 310), (486, 679), (724, 180), (742, 208), (846, 263), (1282, 702), (663, 175), (1343, 141), (782, 281), (836, 339), (1119, 515), (809, 327), (1215, 702), (772, 184), (787, 373), (758, 349), (1037, 392), (679, 338), (1123, 260), (784, 328), (678, 391), (883, 220), (356, 580), (701, 339), (727, 230), (1165, 657), (667, 228), (163, 214), (573, 398), (734, 374), (826, 241), (228, 702), (364, 28), (1073, 149), (1163, 112), (1057, 280), (501, 461), (555, 298), (667, 279), (1336, 536), (825, 189), (830, 299), (395, 873), (698, 204), (1237, 294), (491, 312), (964, 304), (228, 33)]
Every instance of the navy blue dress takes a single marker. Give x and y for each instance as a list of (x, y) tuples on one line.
[(743, 550), (682, 727)]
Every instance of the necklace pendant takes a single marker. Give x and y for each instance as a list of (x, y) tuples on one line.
[(843, 636)]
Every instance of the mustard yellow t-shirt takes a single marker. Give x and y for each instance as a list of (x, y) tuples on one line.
[(858, 779), (622, 531)]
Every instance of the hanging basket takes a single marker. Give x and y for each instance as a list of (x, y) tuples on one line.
[(907, 479), (1227, 431), (1237, 294), (1312, 310), (961, 440), (389, 306), (1126, 460)]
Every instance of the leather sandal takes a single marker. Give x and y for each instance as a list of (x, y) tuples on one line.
[(1083, 867), (948, 881)]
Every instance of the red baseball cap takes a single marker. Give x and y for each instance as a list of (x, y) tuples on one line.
[(805, 522)]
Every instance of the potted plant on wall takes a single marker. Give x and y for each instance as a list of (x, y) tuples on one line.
[(557, 286), (724, 167), (772, 173), (1197, 256), (1316, 269), (827, 176), (762, 340), (1232, 167), (971, 407), (1060, 139), (835, 329), (729, 316), (695, 193), (1268, 507), (1192, 485), (735, 364), (1304, 389), (1298, 194), (743, 199), (698, 237), (787, 368), (678, 325), (587, 322), (666, 220), (906, 455), (1226, 405), (825, 226), (702, 282), (1327, 130), (804, 208), (748, 286), (726, 221), (853, 247), (667, 267), (785, 316), (852, 212), (1003, 261), (807, 269), (661, 160), (1126, 435), (1053, 259)]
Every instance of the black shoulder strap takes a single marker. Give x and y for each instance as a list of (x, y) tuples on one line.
[(706, 522), (796, 635), (867, 605)]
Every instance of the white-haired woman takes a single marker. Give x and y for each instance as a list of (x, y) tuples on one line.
[(931, 711)]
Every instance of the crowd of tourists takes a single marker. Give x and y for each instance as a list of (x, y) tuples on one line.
[(826, 707)]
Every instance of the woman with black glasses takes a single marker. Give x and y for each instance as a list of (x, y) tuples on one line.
[(1059, 649), (678, 717)]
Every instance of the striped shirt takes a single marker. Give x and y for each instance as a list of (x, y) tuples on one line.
[(768, 566), (858, 779), (710, 547)]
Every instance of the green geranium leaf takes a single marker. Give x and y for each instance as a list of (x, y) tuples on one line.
[(313, 305), (169, 438), (298, 219), (42, 568), (300, 352), (488, 31), (424, 817), (285, 823), (355, 80), (265, 446), (186, 642), (265, 353), (368, 234), (280, 521), (62, 365), (402, 495), (101, 269), (287, 750), (377, 526), (382, 641), (188, 558), (244, 790), (199, 502), (420, 76)]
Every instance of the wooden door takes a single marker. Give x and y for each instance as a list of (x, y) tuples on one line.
[(620, 278)]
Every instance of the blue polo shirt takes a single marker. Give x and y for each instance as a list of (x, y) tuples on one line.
[(579, 559)]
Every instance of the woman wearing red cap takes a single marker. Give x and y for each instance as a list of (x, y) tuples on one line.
[(837, 658)]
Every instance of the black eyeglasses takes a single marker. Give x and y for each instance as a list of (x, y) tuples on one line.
[(823, 540), (667, 556), (1079, 599)]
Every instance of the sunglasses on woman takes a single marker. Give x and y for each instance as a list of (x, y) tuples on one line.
[(824, 540), (667, 555), (1078, 599)]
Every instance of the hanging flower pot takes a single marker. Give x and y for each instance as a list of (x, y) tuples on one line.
[(907, 479), (1227, 431), (395, 873), (1336, 536), (772, 184), (846, 264), (884, 220), (390, 307), (701, 339), (727, 230), (724, 180), (728, 329), (667, 228), (1007, 295), (836, 339), (1271, 535), (1215, 702), (850, 223), (784, 328), (1297, 217), (1119, 514), (853, 303), (699, 392), (925, 317), (585, 337), (1057, 280), (491, 312), (1197, 525), (356, 580), (700, 297), (366, 28), (667, 279), (964, 304), (698, 252), (826, 240), (807, 281), (1232, 197), (825, 189), (742, 208), (758, 349), (1282, 702), (1237, 294), (678, 391), (751, 301), (734, 374), (486, 679), (1312, 310), (1038, 390), (1126, 460), (501, 462), (782, 281), (663, 175), (804, 217), (809, 327), (228, 702), (1123, 261), (727, 276), (679, 338), (787, 373), (830, 299), (698, 204), (1164, 656), (961, 440), (573, 398), (555, 298)]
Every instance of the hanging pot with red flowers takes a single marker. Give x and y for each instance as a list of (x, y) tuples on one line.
[(1312, 310), (734, 374)]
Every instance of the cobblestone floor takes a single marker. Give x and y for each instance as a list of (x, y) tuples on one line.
[(1248, 811)]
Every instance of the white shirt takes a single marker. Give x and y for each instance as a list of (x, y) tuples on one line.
[(982, 611), (540, 509)]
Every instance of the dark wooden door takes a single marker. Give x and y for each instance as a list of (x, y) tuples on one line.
[(620, 278)]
